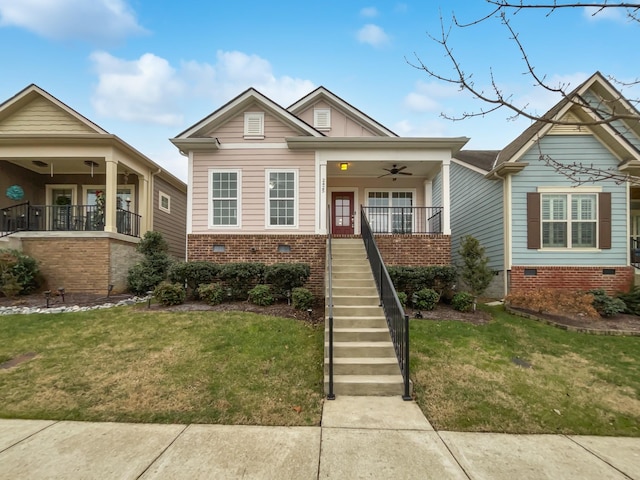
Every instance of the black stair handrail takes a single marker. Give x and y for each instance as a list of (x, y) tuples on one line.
[(397, 320), (14, 219), (330, 395)]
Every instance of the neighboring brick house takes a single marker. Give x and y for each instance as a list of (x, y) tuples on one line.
[(266, 183), (77, 198), (540, 228)]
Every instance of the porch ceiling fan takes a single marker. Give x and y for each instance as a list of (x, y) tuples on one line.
[(395, 170)]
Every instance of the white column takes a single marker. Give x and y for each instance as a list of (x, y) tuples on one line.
[(446, 198), (110, 195), (428, 193)]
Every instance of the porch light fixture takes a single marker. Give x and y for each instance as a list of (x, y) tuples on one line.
[(344, 167), (92, 164), (125, 177)]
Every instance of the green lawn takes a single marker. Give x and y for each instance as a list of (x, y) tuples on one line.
[(131, 365), (466, 380)]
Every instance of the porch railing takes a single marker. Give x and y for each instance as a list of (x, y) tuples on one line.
[(330, 394), (634, 245), (404, 220), (66, 218), (397, 320)]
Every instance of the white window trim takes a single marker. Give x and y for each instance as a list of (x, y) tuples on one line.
[(238, 172), (582, 190), (168, 197), (390, 191), (53, 186), (86, 188), (316, 123), (248, 117), (296, 198)]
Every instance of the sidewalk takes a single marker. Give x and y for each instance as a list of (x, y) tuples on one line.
[(360, 437)]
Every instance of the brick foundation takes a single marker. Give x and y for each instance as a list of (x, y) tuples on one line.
[(619, 279), (83, 264), (415, 250), (310, 249)]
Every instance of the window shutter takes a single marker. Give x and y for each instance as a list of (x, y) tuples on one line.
[(533, 220), (604, 219)]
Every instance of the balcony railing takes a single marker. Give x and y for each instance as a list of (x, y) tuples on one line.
[(404, 220), (64, 218)]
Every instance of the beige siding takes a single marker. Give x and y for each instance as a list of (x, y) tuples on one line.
[(172, 225), (41, 116), (233, 130), (342, 125), (254, 163)]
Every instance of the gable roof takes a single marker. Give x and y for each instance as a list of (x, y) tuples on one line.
[(514, 150), (235, 106), (32, 93), (323, 93), (482, 159)]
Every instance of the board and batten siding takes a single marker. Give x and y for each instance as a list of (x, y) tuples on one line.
[(41, 116), (172, 224), (477, 209), (342, 125), (567, 149), (232, 131), (254, 163)]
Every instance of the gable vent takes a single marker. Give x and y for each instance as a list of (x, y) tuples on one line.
[(322, 118), (254, 125), (570, 129)]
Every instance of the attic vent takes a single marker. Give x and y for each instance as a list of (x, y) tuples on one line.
[(254, 125), (570, 129), (322, 118)]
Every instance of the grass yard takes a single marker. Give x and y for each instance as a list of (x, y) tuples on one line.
[(466, 379), (130, 365)]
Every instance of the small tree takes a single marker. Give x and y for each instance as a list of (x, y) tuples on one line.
[(474, 272)]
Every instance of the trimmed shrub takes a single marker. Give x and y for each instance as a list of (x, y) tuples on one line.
[(168, 293), (412, 279), (284, 277), (193, 274), (148, 273), (553, 301), (19, 273), (241, 277), (631, 301), (301, 298), (462, 301), (403, 299), (605, 305), (261, 295), (211, 293), (426, 299)]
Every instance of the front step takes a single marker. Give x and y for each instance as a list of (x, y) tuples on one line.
[(364, 359)]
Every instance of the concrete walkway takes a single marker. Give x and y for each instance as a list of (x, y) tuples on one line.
[(360, 437)]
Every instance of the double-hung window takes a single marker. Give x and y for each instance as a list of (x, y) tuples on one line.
[(390, 212), (225, 194), (282, 198), (569, 220)]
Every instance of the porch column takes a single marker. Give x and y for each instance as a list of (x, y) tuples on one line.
[(110, 195), (428, 193), (446, 198), (321, 188), (143, 204)]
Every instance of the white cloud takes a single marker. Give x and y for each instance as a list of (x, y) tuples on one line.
[(429, 128), (539, 100), (369, 12), (373, 35), (96, 21), (616, 14), (426, 96), (143, 90), (150, 90)]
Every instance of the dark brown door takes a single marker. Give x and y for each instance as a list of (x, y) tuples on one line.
[(342, 213)]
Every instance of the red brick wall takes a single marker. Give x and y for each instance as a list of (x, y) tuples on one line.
[(415, 250), (309, 249), (572, 278)]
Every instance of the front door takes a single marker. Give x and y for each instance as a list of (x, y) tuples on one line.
[(343, 213)]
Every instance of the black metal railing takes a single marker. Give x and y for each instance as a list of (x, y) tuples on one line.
[(397, 320), (65, 218), (634, 245), (330, 394), (404, 220)]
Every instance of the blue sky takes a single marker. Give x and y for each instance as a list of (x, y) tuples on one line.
[(145, 70)]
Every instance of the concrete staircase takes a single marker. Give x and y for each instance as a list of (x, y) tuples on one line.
[(365, 362)]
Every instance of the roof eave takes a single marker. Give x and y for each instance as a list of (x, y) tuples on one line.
[(309, 143), (506, 169)]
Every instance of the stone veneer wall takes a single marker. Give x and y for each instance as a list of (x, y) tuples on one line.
[(309, 249), (82, 264), (611, 279)]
